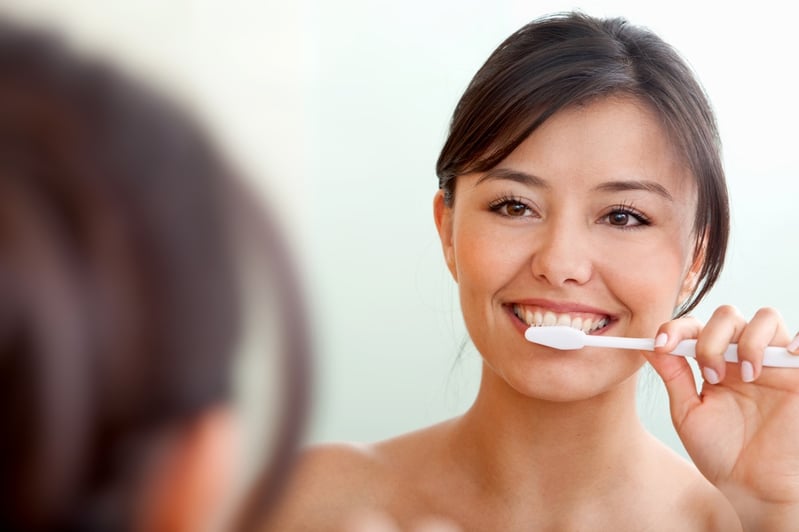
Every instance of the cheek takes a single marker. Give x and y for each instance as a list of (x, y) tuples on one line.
[(649, 278), (486, 259)]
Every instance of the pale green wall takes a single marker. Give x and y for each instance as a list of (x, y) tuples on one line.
[(338, 110)]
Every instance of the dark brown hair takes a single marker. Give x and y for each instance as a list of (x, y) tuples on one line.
[(569, 59), (119, 287)]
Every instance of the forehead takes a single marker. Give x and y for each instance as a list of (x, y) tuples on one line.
[(616, 137)]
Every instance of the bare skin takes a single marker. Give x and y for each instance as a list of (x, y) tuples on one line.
[(476, 472), (589, 219)]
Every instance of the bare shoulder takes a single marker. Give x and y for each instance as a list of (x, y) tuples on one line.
[(345, 465), (332, 482), (328, 482), (693, 502), (708, 507)]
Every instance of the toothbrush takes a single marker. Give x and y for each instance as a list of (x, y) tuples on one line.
[(567, 338)]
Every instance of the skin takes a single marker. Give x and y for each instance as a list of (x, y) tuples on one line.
[(191, 478), (592, 215), (754, 426)]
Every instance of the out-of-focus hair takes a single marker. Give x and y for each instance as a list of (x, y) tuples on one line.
[(119, 287)]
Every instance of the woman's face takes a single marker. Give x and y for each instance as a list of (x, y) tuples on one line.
[(588, 223)]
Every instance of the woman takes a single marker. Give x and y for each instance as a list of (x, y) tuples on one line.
[(121, 230), (581, 185)]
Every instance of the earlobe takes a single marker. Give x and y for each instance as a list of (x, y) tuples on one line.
[(688, 287), (691, 277), (443, 218)]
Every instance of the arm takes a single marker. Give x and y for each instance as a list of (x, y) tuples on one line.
[(759, 515), (328, 484)]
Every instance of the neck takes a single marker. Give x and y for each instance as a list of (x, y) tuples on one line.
[(545, 448)]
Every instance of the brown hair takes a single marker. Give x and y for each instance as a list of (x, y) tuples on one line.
[(571, 58), (119, 294)]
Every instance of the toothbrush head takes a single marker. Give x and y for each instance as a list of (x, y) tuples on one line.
[(556, 336)]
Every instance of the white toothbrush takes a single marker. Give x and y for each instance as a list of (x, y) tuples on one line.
[(567, 338)]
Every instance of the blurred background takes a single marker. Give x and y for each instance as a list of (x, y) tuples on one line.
[(336, 112)]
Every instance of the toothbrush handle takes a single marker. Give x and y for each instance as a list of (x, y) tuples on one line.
[(777, 357)]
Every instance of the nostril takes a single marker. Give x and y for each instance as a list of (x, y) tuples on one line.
[(559, 261)]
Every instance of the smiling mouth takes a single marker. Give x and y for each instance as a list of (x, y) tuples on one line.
[(540, 317)]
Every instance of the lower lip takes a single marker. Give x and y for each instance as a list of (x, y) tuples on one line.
[(522, 327)]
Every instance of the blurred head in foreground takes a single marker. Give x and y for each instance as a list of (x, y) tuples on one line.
[(120, 307)]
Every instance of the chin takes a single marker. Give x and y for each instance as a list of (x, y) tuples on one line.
[(571, 381)]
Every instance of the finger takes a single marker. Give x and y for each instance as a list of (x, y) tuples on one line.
[(673, 332), (793, 347), (722, 329), (765, 328), (674, 370), (679, 380)]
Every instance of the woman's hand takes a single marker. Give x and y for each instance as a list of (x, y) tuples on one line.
[(742, 429)]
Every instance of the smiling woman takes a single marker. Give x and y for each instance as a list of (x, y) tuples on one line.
[(561, 233), (581, 185)]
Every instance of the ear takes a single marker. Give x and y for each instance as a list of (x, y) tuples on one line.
[(443, 217), (189, 489), (692, 275)]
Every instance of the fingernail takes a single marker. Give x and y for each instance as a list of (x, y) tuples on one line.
[(793, 346), (747, 371), (662, 339), (710, 375)]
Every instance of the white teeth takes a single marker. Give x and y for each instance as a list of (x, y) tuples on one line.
[(600, 324), (538, 318)]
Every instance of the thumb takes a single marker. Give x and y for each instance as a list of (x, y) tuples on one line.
[(679, 380)]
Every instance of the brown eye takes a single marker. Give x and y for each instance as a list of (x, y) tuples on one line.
[(619, 218), (515, 209), (625, 218), (512, 208)]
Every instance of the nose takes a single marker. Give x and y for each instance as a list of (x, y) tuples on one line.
[(562, 256)]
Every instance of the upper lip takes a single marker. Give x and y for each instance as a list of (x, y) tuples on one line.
[(561, 307)]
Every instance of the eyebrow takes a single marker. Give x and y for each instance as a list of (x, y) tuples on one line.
[(513, 175), (622, 186), (610, 186)]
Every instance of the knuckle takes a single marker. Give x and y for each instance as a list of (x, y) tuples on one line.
[(669, 325), (749, 349), (728, 312), (768, 313), (682, 325), (703, 353)]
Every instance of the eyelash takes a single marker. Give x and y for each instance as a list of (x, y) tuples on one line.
[(503, 201), (628, 209), (643, 220)]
